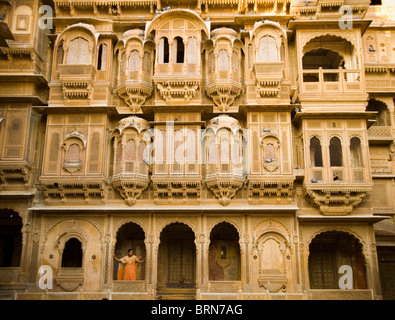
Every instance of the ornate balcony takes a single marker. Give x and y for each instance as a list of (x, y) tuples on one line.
[(337, 191), (224, 166), (131, 169), (77, 81)]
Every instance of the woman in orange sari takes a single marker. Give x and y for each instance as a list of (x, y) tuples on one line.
[(129, 271)]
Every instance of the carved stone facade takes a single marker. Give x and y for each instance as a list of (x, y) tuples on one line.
[(244, 150)]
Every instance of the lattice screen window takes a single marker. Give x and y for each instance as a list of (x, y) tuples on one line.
[(223, 60), (78, 52), (267, 51), (192, 50), (356, 153)]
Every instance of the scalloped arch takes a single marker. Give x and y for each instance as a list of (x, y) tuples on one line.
[(339, 229), (177, 13)]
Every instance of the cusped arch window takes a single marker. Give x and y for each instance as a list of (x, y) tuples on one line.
[(102, 57), (73, 145), (178, 50), (315, 152), (223, 60), (356, 153), (335, 152), (72, 254), (163, 52)]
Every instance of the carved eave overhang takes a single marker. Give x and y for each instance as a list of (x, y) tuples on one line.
[(379, 67), (262, 187), (294, 25), (327, 8), (16, 175), (36, 91), (73, 190), (335, 200), (300, 115)]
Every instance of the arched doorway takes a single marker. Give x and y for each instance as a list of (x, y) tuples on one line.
[(224, 253), (10, 238), (177, 257), (130, 236), (329, 251)]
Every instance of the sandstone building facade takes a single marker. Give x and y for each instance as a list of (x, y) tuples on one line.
[(243, 148)]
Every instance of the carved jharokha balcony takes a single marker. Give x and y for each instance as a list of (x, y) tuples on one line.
[(132, 181), (326, 82), (337, 191), (136, 89), (223, 86), (77, 80)]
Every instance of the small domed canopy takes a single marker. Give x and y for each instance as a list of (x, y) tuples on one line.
[(224, 34), (267, 23), (223, 121), (81, 26), (133, 122)]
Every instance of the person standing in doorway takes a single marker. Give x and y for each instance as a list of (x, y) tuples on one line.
[(129, 269)]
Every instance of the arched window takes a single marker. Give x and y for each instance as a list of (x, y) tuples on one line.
[(143, 152), (270, 152), (147, 62), (223, 60), (78, 52), (211, 63), (134, 61), (335, 152), (224, 146), (178, 147), (191, 145), (250, 56), (60, 55), (235, 62), (192, 50), (267, 49), (73, 154), (178, 50), (356, 153), (102, 57), (315, 152), (130, 155), (163, 56), (212, 150), (72, 254)]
